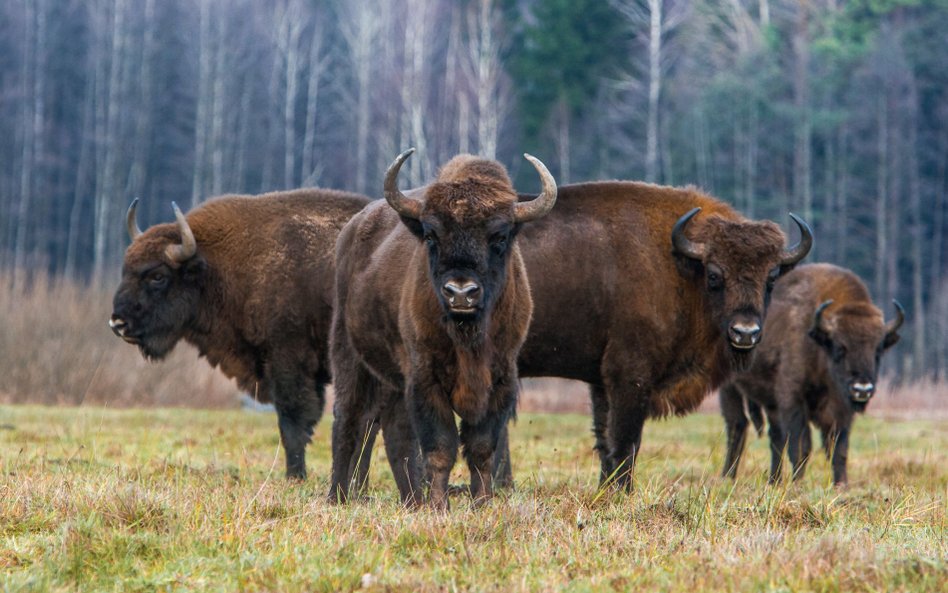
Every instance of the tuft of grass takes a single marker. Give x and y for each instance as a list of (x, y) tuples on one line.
[(169, 500)]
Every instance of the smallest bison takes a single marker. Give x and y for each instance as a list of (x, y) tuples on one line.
[(818, 362)]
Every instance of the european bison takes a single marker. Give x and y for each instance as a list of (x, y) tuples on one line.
[(432, 298), (248, 281), (652, 295), (818, 362)]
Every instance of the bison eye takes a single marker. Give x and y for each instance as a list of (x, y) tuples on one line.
[(156, 279), (430, 239), (839, 352), (498, 243), (715, 281)]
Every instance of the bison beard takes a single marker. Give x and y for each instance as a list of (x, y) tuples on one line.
[(446, 333), (248, 281)]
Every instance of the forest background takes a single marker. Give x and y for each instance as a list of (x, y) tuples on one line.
[(836, 110)]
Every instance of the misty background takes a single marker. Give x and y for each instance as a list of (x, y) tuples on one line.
[(836, 110)]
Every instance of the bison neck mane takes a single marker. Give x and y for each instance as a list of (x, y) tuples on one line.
[(219, 339), (705, 360)]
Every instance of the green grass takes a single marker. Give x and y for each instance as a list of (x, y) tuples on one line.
[(160, 500)]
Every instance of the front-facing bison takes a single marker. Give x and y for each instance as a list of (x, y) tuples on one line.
[(248, 281), (432, 301), (818, 362)]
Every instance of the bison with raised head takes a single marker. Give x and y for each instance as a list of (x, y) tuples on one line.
[(818, 362), (248, 281), (432, 301)]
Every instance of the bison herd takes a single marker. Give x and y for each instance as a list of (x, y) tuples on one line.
[(426, 307)]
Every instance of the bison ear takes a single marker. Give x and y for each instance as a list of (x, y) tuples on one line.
[(818, 335), (194, 268), (414, 225), (891, 339)]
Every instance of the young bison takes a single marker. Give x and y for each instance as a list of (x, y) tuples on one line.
[(248, 281), (817, 362), (432, 300)]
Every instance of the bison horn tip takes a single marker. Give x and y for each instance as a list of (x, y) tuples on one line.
[(131, 222)]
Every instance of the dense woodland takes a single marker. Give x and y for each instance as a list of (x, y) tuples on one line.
[(834, 109)]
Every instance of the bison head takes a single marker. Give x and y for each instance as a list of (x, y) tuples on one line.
[(162, 279), (468, 221), (739, 260), (854, 336)]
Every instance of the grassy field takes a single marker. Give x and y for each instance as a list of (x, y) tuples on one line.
[(158, 500)]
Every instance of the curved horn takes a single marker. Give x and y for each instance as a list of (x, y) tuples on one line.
[(405, 206), (542, 204), (188, 247), (794, 254), (682, 244), (893, 325), (818, 316), (130, 222)]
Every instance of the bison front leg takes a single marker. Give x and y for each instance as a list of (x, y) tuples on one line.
[(840, 440), (401, 447), (299, 405), (600, 412), (627, 413), (735, 423), (795, 424), (353, 429), (503, 470), (778, 445), (437, 434)]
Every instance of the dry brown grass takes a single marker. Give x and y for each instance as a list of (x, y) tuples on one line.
[(921, 398), (56, 349)]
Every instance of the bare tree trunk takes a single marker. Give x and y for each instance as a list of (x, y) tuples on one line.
[(290, 44), (143, 119), (32, 121), (414, 84), (203, 98), (919, 342), (110, 181), (802, 172), (654, 88), (562, 142), (841, 216), (750, 161), (82, 173), (360, 26), (218, 96), (243, 139), (485, 53), (764, 12), (317, 64), (882, 191)]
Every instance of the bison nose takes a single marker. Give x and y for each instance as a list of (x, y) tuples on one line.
[(744, 335), (861, 391), (118, 325), (461, 295)]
